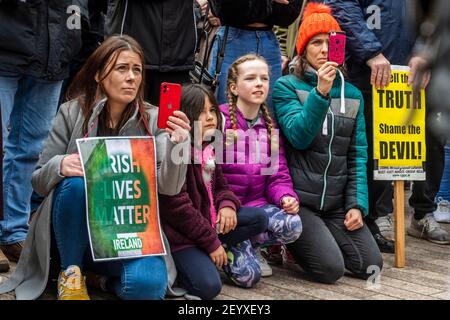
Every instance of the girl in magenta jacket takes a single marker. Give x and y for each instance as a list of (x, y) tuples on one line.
[(254, 161)]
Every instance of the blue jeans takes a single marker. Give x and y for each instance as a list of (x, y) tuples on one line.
[(241, 42), (142, 278), (28, 108)]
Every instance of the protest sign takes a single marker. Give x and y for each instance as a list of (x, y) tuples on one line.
[(121, 197), (399, 129)]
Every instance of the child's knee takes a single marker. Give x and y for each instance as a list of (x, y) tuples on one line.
[(294, 228), (261, 220), (209, 288)]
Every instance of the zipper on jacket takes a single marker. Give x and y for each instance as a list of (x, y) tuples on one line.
[(329, 161), (195, 32), (124, 17)]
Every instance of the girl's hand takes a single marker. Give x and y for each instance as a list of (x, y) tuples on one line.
[(326, 75), (227, 220), (178, 127), (219, 257), (290, 205), (353, 220), (71, 166)]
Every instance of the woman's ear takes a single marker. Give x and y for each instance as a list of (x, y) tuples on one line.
[(233, 88), (97, 78)]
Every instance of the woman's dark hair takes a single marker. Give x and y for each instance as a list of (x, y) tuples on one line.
[(193, 103), (89, 92)]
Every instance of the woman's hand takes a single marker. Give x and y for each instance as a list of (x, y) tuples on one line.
[(353, 220), (227, 220), (178, 127), (71, 166), (326, 75), (219, 257), (290, 205)]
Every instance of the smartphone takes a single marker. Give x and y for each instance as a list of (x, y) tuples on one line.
[(336, 47), (169, 101)]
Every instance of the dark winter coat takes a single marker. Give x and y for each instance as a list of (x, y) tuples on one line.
[(40, 38), (365, 39), (166, 30), (327, 148)]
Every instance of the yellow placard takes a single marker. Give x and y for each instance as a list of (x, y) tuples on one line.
[(399, 129)]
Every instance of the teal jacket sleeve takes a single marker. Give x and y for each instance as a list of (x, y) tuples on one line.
[(356, 193), (299, 123)]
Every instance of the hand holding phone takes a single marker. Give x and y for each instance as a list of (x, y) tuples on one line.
[(169, 102), (336, 47)]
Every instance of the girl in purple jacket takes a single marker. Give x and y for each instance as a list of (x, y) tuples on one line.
[(254, 161), (205, 224)]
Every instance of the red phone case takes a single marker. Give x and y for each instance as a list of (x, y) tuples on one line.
[(336, 47), (169, 101)]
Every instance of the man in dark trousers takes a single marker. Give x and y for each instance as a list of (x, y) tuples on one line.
[(377, 36), (166, 30), (38, 39)]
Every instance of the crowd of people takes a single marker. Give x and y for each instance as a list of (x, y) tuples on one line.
[(293, 177)]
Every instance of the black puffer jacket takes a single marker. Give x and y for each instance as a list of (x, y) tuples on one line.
[(238, 13), (165, 29), (35, 39)]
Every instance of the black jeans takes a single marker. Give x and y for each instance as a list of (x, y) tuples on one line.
[(381, 192), (326, 248)]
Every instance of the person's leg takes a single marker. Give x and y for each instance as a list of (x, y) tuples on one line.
[(8, 87), (316, 251), (71, 237), (251, 222), (358, 247), (380, 192), (134, 279), (239, 43), (243, 268), (423, 224), (283, 228), (69, 221), (424, 192), (269, 47), (9, 84), (197, 273), (35, 105)]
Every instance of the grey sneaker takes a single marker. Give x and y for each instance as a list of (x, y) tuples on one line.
[(428, 228), (266, 270), (442, 213), (386, 226)]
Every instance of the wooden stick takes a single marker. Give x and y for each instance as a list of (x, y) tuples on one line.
[(399, 209)]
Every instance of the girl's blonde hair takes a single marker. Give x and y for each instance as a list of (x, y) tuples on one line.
[(233, 74)]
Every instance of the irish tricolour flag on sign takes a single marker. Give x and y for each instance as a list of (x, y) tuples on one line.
[(121, 197)]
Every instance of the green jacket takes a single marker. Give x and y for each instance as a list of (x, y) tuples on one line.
[(326, 145)]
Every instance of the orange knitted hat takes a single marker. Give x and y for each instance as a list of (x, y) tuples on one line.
[(317, 19)]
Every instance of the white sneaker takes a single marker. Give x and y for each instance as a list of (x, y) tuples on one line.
[(386, 226), (266, 270), (442, 213)]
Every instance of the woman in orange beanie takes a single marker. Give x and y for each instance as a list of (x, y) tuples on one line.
[(322, 119)]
